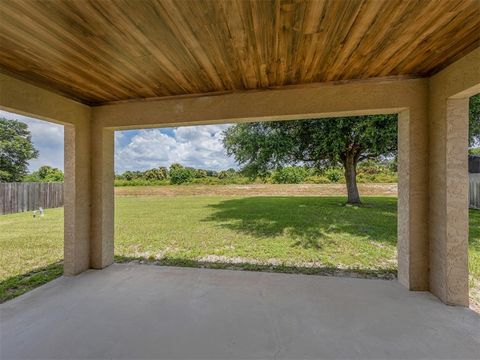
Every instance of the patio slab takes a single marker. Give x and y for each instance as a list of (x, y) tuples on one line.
[(149, 312)]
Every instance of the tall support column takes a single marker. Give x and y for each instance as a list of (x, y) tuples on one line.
[(77, 198), (412, 242), (101, 248), (449, 92), (448, 198)]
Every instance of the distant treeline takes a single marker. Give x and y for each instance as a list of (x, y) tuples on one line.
[(368, 172)]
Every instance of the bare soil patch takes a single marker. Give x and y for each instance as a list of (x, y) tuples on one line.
[(257, 190)]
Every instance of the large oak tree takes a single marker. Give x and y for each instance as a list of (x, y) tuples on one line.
[(263, 146)]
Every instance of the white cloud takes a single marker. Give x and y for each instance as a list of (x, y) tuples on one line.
[(195, 146)]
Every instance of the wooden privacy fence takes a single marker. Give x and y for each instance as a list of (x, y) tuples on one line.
[(474, 191), (28, 196)]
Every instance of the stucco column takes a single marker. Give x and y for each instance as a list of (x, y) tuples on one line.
[(412, 241), (77, 198), (448, 197), (101, 249)]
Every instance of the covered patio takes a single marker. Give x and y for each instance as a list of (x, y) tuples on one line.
[(150, 312), (97, 67)]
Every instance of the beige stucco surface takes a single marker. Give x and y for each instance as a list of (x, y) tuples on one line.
[(432, 147), (448, 178), (319, 100), (101, 254), (412, 240)]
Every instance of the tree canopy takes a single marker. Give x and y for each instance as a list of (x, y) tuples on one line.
[(263, 146), (16, 149), (45, 174)]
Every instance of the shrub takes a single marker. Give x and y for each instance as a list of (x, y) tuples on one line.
[(181, 175), (226, 174), (176, 166), (289, 175), (376, 178), (131, 175), (208, 180), (333, 174), (316, 179), (156, 174), (200, 173), (45, 174)]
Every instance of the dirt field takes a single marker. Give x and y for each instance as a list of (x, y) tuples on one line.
[(258, 190)]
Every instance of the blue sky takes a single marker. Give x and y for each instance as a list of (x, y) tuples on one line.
[(196, 146)]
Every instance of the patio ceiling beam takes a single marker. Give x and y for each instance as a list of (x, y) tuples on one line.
[(372, 96)]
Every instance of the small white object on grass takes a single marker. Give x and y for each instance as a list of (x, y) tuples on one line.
[(40, 210)]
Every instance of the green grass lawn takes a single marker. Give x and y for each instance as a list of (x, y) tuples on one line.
[(290, 230), (280, 232)]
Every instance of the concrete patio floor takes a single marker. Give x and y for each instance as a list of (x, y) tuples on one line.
[(150, 312)]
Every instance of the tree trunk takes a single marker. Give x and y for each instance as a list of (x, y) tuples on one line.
[(350, 166)]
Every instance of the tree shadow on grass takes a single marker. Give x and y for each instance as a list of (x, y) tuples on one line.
[(17, 285), (309, 220)]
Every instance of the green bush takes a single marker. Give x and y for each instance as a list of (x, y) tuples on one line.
[(333, 174), (317, 179), (208, 180), (181, 175), (226, 174), (377, 178), (45, 174), (130, 175), (289, 175), (200, 173), (156, 174)]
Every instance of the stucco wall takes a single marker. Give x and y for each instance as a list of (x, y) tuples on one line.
[(449, 91)]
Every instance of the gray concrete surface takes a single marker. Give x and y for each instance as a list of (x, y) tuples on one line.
[(151, 312)]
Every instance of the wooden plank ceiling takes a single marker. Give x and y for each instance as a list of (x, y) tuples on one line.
[(100, 51)]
